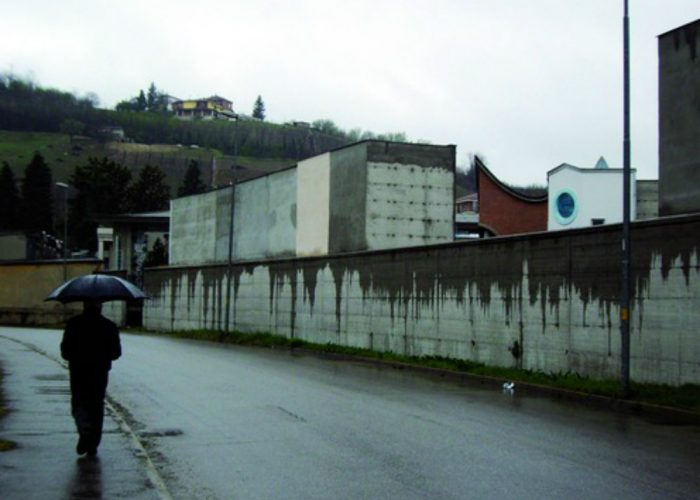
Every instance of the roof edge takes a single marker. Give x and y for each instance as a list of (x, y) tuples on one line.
[(505, 187)]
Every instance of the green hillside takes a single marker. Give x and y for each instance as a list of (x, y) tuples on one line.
[(63, 155)]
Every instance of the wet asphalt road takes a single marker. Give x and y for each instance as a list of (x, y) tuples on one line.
[(231, 422)]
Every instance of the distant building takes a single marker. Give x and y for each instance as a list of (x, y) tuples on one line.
[(467, 217), (124, 240), (504, 210), (210, 108), (679, 120), (112, 133), (467, 203), (582, 197)]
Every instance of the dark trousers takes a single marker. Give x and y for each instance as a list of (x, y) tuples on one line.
[(88, 386)]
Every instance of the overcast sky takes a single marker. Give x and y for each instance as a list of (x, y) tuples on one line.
[(528, 84)]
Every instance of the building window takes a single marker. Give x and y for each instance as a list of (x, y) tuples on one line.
[(565, 206), (597, 222)]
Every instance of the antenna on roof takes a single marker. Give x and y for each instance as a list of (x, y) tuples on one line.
[(601, 164)]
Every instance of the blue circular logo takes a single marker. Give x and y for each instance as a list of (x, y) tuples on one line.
[(566, 206)]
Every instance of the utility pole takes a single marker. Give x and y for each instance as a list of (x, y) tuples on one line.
[(231, 227), (230, 247), (626, 246), (64, 188)]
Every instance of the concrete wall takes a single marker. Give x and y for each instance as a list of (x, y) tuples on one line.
[(410, 195), (348, 200), (598, 195), (679, 120), (193, 228), (25, 285), (264, 222), (265, 217), (547, 301), (389, 195)]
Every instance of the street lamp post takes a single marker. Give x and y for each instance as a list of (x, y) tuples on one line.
[(65, 187), (626, 243)]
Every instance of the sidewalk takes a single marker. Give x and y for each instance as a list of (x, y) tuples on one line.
[(45, 465)]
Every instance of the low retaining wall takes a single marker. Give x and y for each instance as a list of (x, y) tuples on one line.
[(546, 301), (25, 284)]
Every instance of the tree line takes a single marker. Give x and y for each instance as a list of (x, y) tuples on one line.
[(100, 187)]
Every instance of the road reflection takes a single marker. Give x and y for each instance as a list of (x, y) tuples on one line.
[(87, 479)]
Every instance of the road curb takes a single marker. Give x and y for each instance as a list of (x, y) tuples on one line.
[(657, 413)]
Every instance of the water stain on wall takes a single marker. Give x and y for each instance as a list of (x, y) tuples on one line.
[(550, 269)]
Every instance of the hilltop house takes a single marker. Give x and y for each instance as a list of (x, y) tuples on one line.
[(209, 108)]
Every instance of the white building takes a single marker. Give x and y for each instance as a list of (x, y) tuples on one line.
[(581, 197)]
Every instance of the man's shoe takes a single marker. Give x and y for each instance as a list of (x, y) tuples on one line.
[(92, 452), (81, 448)]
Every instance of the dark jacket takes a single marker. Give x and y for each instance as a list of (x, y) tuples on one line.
[(91, 341)]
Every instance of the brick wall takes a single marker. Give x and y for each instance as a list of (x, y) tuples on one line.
[(505, 212)]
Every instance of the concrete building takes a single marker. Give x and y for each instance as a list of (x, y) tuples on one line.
[(369, 195), (581, 197), (374, 195), (679, 120), (132, 237)]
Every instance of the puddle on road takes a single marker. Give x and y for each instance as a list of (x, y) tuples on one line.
[(59, 389), (52, 378), (160, 433)]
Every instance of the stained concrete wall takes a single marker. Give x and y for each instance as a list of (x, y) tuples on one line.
[(542, 302), (679, 120)]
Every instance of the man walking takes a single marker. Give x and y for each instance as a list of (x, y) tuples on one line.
[(90, 344)]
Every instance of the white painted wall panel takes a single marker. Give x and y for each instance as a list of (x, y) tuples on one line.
[(313, 205)]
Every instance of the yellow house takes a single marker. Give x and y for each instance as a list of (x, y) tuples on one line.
[(210, 108)]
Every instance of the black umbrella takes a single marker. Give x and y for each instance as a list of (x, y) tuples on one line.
[(96, 287)]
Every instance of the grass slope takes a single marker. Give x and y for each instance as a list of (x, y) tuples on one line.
[(62, 156)]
